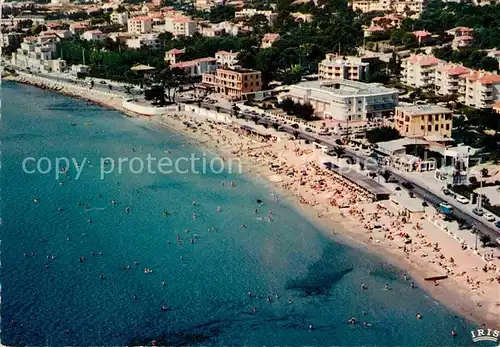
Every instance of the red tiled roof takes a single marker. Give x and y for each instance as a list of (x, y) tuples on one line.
[(176, 51), (421, 33), (423, 60), (271, 37), (465, 38)]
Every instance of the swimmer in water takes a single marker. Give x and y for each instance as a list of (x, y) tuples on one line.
[(218, 209), (127, 209), (194, 203), (386, 287), (412, 285), (243, 226), (249, 294), (311, 327), (418, 315), (194, 215), (363, 286)]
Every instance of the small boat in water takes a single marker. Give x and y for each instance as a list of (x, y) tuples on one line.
[(148, 270)]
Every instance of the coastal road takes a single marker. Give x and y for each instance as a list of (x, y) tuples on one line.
[(419, 191)]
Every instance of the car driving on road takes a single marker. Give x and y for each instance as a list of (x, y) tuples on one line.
[(489, 217), (462, 199)]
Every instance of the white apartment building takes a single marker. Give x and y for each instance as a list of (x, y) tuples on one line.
[(93, 35), (140, 25), (227, 59), (180, 26), (393, 6), (144, 40), (250, 12), (419, 70), (119, 18), (448, 78), (477, 89), (480, 89), (197, 67), (343, 67), (344, 100), (173, 55), (496, 55)]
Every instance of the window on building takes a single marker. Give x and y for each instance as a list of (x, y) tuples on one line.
[(447, 127), (246, 85), (422, 127), (429, 117), (436, 127), (429, 127)]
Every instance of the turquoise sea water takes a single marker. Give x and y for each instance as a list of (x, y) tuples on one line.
[(67, 303)]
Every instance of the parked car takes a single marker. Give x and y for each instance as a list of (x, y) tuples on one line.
[(445, 205), (478, 211), (462, 199), (489, 217), (407, 185), (324, 133)]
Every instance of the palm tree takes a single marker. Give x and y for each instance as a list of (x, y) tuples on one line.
[(386, 175), (339, 151)]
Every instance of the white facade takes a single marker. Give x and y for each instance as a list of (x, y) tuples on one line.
[(119, 18), (144, 40), (344, 100), (180, 26), (480, 89), (250, 12), (198, 67), (139, 25), (93, 35), (228, 59), (448, 78), (345, 68)]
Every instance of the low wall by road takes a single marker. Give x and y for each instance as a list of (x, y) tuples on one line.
[(148, 110), (204, 113)]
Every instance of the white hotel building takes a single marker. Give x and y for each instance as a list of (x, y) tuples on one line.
[(344, 100)]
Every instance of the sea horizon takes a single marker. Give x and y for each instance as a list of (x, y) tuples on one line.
[(304, 286)]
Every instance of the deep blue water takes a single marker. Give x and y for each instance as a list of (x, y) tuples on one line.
[(317, 280)]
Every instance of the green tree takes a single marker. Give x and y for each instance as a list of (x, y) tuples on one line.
[(382, 134)]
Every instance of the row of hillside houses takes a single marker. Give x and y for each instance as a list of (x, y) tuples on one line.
[(477, 89)]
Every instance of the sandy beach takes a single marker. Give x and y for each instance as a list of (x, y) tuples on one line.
[(343, 211)]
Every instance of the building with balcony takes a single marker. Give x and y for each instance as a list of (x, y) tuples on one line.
[(139, 25), (172, 56), (227, 59), (144, 40), (180, 26), (36, 53), (496, 107), (480, 89), (78, 28), (343, 67), (419, 70), (233, 83), (93, 35), (250, 12), (423, 121), (447, 78), (197, 67), (344, 100), (402, 7)]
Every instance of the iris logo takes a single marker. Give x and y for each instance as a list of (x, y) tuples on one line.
[(485, 335)]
